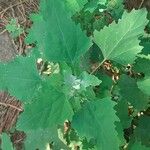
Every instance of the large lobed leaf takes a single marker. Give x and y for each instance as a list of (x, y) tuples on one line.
[(56, 35), (119, 42), (42, 115), (96, 120), (20, 77)]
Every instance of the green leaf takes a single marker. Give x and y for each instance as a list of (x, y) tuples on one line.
[(96, 120), (14, 28), (43, 113), (20, 77), (78, 84), (6, 142), (131, 93), (89, 80), (56, 35), (142, 130), (72, 84), (119, 42)]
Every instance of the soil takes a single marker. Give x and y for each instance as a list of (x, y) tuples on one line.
[(10, 107), (131, 4), (19, 10)]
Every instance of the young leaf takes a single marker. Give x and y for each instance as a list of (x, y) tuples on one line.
[(96, 120), (119, 42), (89, 80), (13, 27), (78, 84)]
